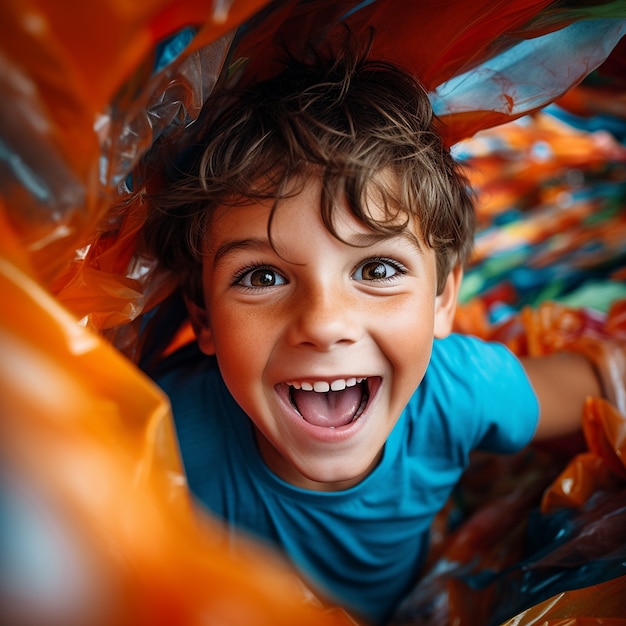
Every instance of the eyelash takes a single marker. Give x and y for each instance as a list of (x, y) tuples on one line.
[(397, 266), (400, 269), (238, 277)]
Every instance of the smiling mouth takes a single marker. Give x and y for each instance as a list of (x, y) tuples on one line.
[(330, 404)]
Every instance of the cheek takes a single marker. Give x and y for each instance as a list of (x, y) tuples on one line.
[(241, 345), (407, 338)]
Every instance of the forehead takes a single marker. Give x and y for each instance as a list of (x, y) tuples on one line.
[(379, 215), (292, 237), (376, 200)]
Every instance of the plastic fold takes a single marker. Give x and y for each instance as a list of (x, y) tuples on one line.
[(99, 525)]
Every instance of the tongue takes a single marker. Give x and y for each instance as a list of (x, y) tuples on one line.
[(330, 409)]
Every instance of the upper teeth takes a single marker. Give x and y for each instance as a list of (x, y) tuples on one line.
[(322, 386)]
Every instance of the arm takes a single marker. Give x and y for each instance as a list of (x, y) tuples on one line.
[(562, 382)]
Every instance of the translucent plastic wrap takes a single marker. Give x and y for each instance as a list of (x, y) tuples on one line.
[(98, 526), (95, 508), (87, 94)]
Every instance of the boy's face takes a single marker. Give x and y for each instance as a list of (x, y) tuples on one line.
[(314, 312)]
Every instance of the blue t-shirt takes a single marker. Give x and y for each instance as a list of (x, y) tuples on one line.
[(362, 547)]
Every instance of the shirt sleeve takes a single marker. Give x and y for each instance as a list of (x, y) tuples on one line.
[(488, 400)]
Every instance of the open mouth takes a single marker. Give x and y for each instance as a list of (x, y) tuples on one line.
[(330, 404)]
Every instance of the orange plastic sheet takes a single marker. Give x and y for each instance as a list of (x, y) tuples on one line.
[(98, 526), (98, 523), (597, 605)]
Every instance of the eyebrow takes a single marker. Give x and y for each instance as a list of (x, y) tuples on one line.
[(366, 240), (362, 240), (233, 245)]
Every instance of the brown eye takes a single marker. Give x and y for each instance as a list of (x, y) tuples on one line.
[(374, 270), (378, 270), (260, 277)]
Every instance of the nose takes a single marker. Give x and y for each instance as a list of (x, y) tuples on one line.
[(323, 318)]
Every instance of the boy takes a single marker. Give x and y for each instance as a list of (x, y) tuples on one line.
[(319, 230)]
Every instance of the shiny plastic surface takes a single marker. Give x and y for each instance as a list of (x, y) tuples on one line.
[(98, 517)]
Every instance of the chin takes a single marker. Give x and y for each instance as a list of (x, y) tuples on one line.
[(336, 479)]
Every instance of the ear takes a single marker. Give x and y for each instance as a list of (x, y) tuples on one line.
[(446, 301), (199, 318)]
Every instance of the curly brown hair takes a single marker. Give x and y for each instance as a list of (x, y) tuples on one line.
[(346, 121)]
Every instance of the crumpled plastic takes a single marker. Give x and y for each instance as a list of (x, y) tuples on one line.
[(545, 543), (75, 139), (100, 525)]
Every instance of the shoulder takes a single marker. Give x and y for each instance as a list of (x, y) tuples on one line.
[(463, 350), (202, 412), (473, 365), (197, 393), (479, 393), (189, 378)]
